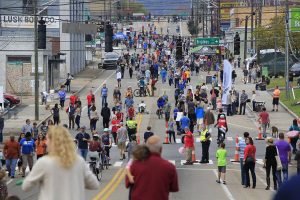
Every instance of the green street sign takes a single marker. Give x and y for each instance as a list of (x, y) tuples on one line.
[(207, 41), (294, 20)]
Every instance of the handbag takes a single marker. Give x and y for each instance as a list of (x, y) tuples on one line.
[(278, 161), (249, 159)]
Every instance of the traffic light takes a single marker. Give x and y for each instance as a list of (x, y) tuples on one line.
[(108, 38), (237, 43), (179, 49), (42, 34)]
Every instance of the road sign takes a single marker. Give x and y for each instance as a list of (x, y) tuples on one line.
[(207, 41), (251, 51), (294, 19)]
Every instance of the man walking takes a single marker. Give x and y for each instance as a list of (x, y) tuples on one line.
[(264, 120), (105, 113), (241, 149), (131, 127), (121, 138), (209, 118), (154, 178), (188, 145), (148, 134), (82, 140), (285, 154), (276, 95), (71, 114), (62, 97), (104, 91), (11, 153), (27, 127), (205, 141), (243, 101)]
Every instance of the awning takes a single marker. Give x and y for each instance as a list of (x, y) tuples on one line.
[(205, 50)]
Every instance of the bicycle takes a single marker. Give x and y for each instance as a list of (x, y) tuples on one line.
[(96, 170), (221, 136), (104, 159)]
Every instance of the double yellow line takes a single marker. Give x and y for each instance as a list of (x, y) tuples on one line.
[(105, 193)]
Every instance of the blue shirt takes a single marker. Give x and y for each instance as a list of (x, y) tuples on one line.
[(62, 95), (199, 112), (175, 111), (104, 91), (289, 190), (27, 146), (242, 146), (185, 122)]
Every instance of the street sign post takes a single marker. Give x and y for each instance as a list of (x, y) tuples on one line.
[(294, 20), (207, 41)]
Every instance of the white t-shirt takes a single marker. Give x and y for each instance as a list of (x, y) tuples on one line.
[(119, 75)]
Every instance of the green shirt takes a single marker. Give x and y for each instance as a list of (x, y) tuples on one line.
[(221, 156)]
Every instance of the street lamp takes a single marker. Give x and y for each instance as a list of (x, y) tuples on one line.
[(246, 33)]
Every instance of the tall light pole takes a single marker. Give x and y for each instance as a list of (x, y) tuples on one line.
[(252, 24), (287, 49), (36, 64)]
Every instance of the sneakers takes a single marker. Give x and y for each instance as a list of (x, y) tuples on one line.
[(218, 181), (188, 163)]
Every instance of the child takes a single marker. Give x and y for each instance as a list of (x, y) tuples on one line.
[(3, 186), (221, 156), (35, 131), (219, 104), (140, 153)]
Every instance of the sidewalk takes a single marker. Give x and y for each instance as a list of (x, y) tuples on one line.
[(281, 119), (15, 119)]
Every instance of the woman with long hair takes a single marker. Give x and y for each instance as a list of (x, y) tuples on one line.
[(270, 162), (294, 140), (94, 117), (249, 159), (54, 173)]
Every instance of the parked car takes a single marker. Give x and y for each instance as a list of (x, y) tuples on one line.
[(13, 99), (110, 60), (295, 70)]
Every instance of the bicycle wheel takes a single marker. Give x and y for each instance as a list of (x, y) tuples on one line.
[(136, 93), (99, 172), (106, 162)]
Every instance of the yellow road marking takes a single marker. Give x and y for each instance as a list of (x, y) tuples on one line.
[(108, 186), (119, 176), (114, 186)]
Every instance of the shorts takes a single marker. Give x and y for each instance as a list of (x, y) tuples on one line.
[(275, 101), (222, 169), (121, 145), (27, 160), (199, 121)]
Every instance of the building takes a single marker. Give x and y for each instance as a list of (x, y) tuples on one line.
[(65, 52)]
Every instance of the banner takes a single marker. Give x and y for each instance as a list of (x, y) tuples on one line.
[(227, 81), (294, 20), (1, 96)]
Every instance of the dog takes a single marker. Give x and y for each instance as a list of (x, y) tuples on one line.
[(275, 131)]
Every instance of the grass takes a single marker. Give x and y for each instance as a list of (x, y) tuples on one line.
[(291, 103), (280, 82)]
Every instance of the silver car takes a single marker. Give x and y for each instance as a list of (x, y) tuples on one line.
[(110, 60)]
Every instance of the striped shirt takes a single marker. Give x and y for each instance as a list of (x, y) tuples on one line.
[(242, 146)]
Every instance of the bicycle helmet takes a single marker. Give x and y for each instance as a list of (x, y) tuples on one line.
[(106, 130)]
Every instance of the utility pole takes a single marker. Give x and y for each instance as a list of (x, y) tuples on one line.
[(36, 64), (275, 37), (287, 88), (252, 24), (203, 28), (245, 39)]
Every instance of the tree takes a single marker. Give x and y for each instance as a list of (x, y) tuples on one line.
[(193, 28)]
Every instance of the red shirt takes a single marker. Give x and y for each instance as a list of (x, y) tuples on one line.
[(90, 98), (264, 116), (250, 150), (189, 140), (154, 178), (73, 99), (11, 149), (114, 125), (131, 112), (120, 116)]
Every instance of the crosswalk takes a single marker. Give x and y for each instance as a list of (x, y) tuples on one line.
[(197, 140)]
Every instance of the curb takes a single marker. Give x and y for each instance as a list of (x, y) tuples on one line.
[(288, 110)]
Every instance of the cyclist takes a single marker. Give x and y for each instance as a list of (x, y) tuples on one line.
[(95, 147), (222, 126), (106, 142), (142, 107), (142, 85)]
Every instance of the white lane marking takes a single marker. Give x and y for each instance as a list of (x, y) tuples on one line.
[(8, 182), (229, 138), (178, 141), (211, 162), (118, 164), (201, 169), (234, 162), (261, 180), (197, 139), (260, 161), (242, 126), (172, 161), (225, 188), (98, 88)]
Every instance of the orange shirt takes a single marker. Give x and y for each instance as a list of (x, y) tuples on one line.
[(40, 147), (276, 93)]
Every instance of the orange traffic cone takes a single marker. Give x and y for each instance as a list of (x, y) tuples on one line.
[(167, 135), (138, 139), (193, 156), (259, 136), (236, 152)]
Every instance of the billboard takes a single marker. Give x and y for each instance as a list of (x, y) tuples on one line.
[(225, 9), (294, 20)]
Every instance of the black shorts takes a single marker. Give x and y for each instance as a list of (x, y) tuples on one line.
[(222, 169), (275, 101)]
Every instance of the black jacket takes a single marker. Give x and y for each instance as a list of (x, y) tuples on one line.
[(105, 112)]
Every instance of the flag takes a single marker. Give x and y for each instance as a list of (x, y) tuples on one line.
[(227, 80)]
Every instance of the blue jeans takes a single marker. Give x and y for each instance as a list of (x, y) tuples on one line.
[(11, 166), (285, 173), (104, 100), (243, 174), (83, 153)]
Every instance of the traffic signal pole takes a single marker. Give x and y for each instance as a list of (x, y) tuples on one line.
[(36, 64), (287, 88), (246, 36)]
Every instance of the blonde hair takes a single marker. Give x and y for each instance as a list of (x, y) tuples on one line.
[(62, 146)]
